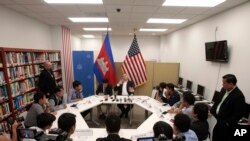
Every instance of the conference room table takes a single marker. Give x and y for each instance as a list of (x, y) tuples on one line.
[(84, 132)]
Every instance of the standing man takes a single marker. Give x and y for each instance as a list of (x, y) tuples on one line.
[(47, 82), (125, 87), (104, 89), (228, 108)]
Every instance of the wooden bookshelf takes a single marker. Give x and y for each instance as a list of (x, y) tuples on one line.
[(19, 76)]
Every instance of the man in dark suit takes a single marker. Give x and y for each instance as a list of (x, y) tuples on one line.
[(125, 87), (113, 125), (228, 108), (47, 82), (104, 89)]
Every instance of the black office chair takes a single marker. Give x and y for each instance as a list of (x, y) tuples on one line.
[(216, 96), (247, 110)]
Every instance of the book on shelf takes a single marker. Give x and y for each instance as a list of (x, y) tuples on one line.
[(4, 110), (40, 57), (3, 92), (23, 100), (15, 89), (54, 56), (2, 79), (17, 58), (5, 127)]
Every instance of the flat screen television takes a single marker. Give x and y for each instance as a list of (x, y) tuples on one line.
[(217, 51)]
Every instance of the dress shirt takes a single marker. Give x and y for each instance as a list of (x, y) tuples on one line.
[(222, 100), (73, 96), (124, 88)]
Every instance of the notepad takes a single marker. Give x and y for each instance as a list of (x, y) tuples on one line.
[(83, 132)]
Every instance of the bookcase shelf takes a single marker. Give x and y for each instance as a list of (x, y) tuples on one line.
[(19, 76)]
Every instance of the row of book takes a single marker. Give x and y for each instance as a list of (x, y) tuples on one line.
[(5, 127), (21, 87), (3, 92), (4, 110), (57, 74), (18, 58), (40, 57), (37, 69), (2, 79), (22, 100), (20, 72), (56, 66), (54, 56)]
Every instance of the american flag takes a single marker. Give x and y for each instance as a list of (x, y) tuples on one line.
[(134, 65), (67, 53)]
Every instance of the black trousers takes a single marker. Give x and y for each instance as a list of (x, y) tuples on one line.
[(221, 132), (125, 108)]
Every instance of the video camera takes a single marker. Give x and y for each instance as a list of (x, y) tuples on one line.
[(58, 135), (18, 119)]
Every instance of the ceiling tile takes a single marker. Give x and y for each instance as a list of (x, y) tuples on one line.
[(118, 2), (39, 8), (149, 2), (145, 9), (124, 8), (17, 8), (6, 2), (170, 10), (29, 1), (231, 3), (91, 8), (194, 10)]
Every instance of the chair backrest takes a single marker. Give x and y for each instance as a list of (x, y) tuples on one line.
[(247, 111), (180, 81), (154, 92), (189, 85), (200, 90), (216, 96)]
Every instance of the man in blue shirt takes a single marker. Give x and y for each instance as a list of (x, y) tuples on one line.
[(170, 96)]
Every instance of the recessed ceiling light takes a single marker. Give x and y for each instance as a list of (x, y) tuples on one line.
[(193, 3), (166, 21), (74, 1), (88, 20), (88, 36), (97, 29), (152, 29)]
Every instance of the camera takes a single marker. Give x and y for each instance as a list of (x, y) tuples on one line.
[(18, 119), (58, 134)]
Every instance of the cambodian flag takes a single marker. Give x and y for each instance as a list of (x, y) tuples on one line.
[(104, 66)]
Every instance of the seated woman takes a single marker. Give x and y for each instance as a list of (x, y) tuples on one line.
[(199, 124)]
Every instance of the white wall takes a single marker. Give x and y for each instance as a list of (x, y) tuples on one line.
[(149, 46), (20, 31), (187, 46)]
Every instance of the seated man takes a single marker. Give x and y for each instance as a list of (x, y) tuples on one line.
[(67, 123), (44, 122), (76, 94), (125, 87), (56, 100), (171, 96), (162, 131), (36, 109), (186, 106), (199, 124), (182, 128), (113, 125), (104, 89)]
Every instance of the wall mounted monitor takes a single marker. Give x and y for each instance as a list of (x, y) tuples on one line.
[(216, 51), (189, 85), (200, 90)]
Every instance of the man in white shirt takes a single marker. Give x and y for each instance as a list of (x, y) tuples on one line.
[(125, 87)]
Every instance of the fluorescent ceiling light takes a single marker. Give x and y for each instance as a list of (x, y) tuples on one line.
[(88, 36), (88, 20), (193, 3), (166, 21), (97, 29), (74, 1), (152, 30)]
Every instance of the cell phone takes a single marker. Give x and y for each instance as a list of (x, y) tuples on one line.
[(165, 112), (165, 104), (73, 105), (146, 139), (26, 133)]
